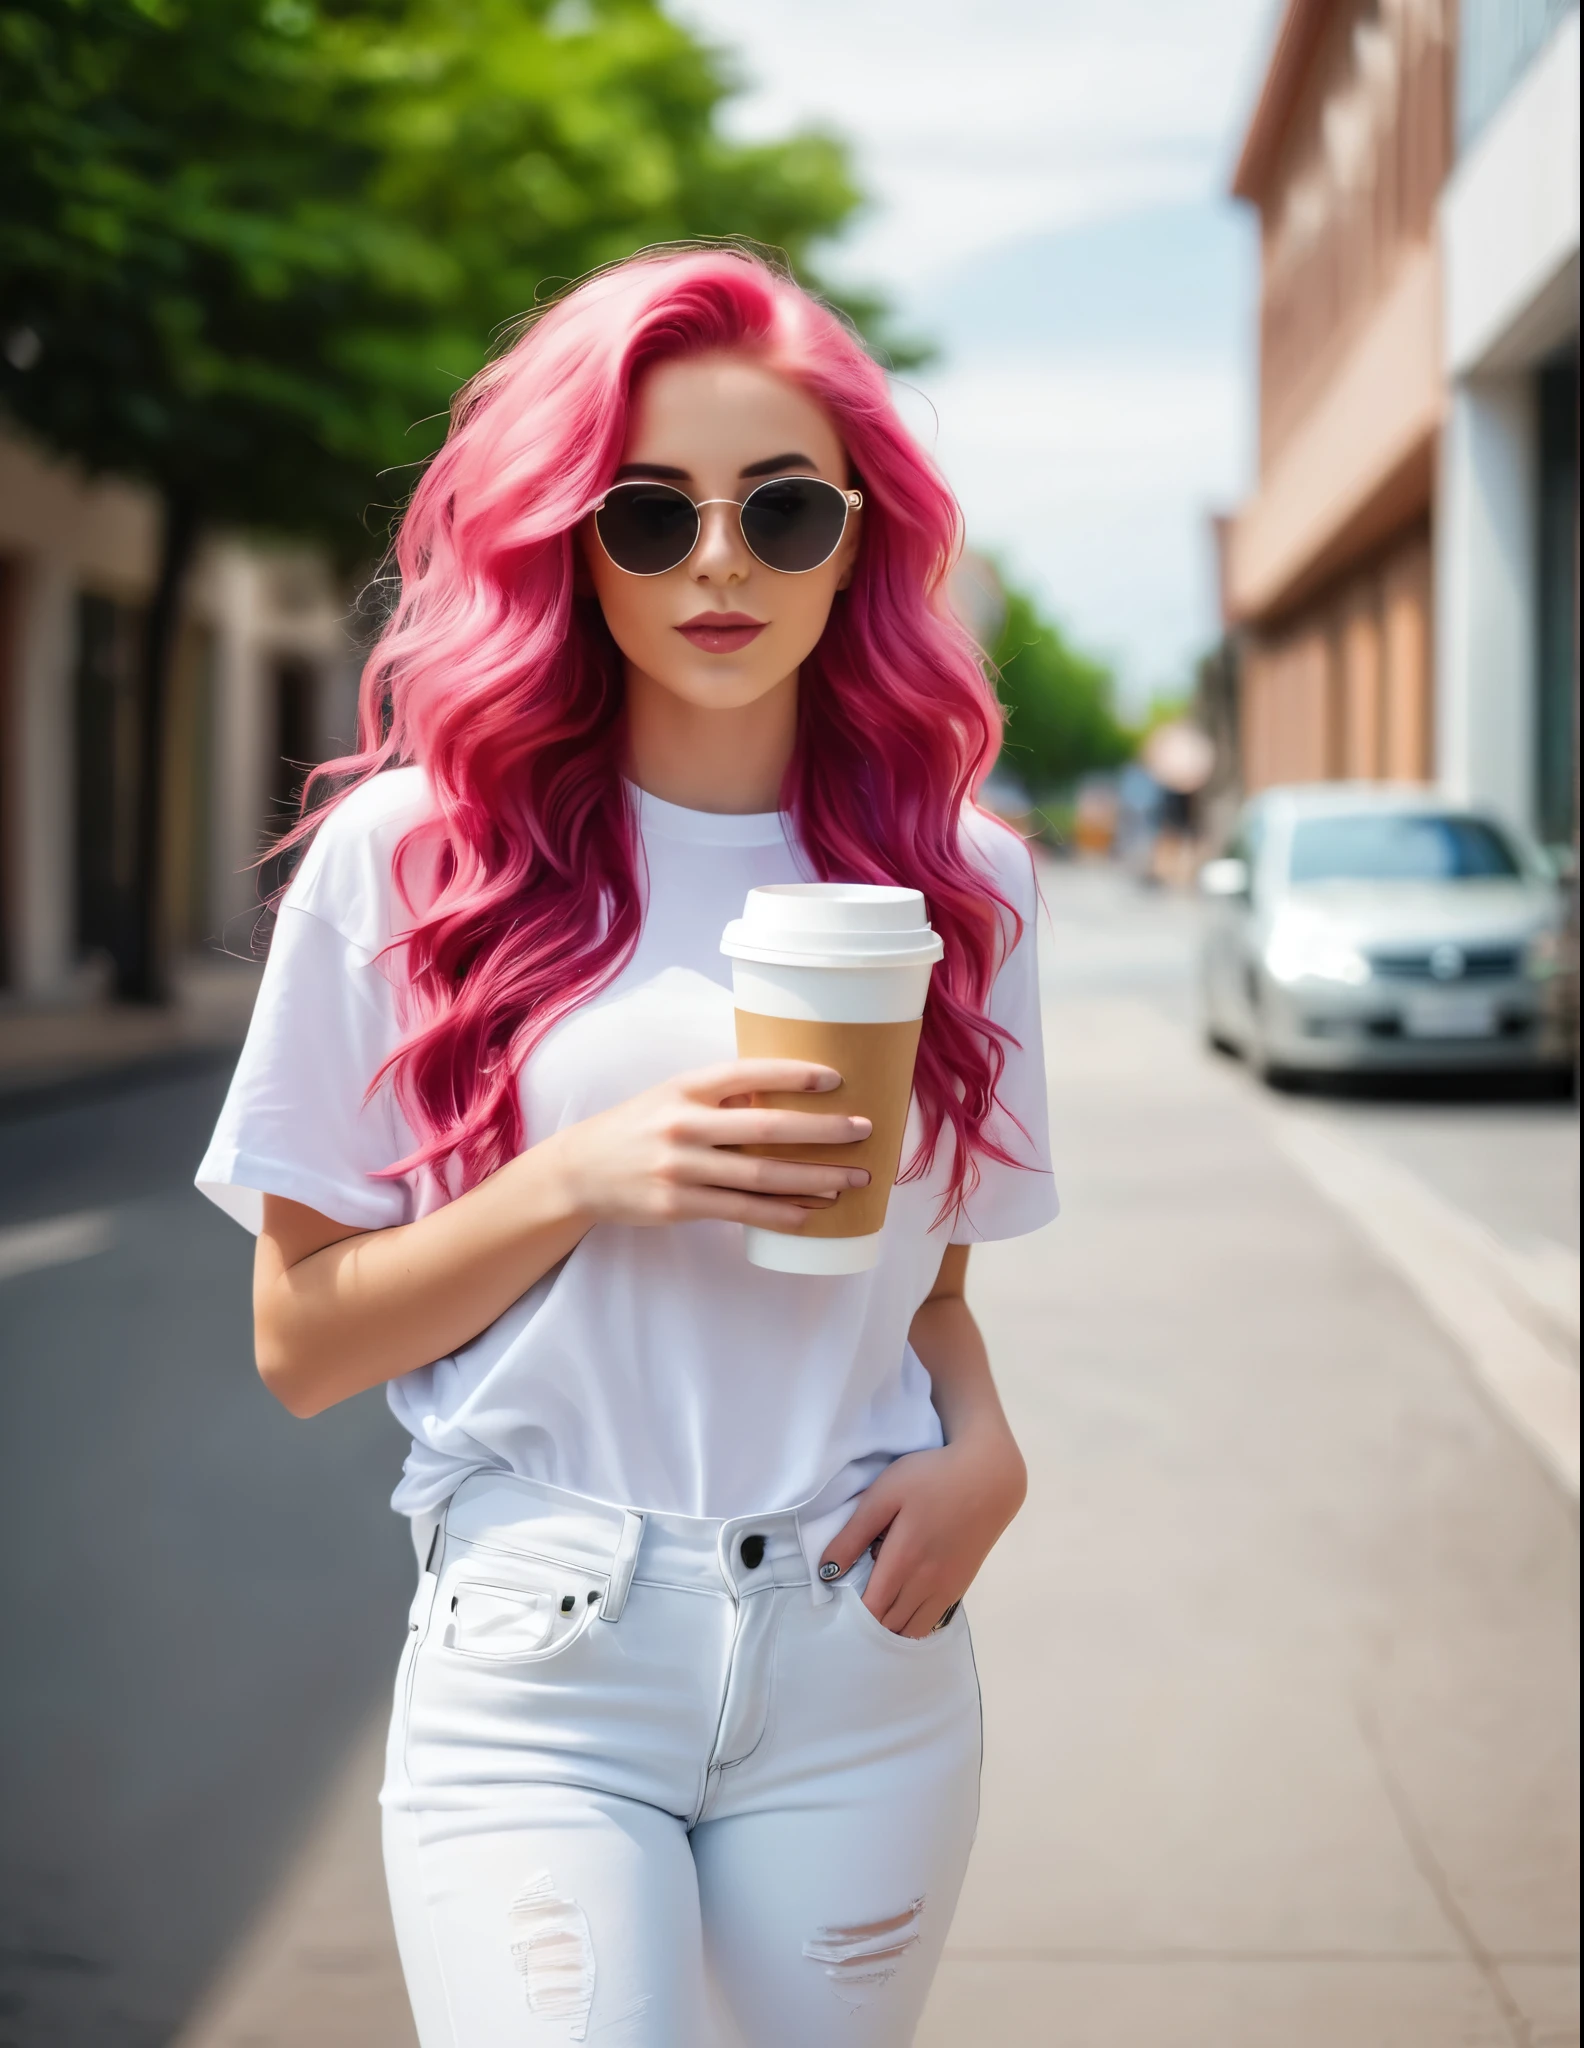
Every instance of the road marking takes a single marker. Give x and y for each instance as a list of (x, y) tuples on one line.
[(55, 1241), (1497, 1305)]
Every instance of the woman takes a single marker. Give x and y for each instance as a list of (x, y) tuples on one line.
[(681, 1749)]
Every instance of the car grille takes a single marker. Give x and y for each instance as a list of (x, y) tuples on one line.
[(1469, 963)]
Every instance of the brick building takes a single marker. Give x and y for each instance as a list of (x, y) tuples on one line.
[(264, 679), (1386, 580)]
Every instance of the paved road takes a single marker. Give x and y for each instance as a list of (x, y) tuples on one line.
[(1504, 1150), (205, 1594), (1280, 1662)]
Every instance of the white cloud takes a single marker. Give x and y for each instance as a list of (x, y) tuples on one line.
[(1110, 427), (1093, 480), (978, 131), (973, 124)]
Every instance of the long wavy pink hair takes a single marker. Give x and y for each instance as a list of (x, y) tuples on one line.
[(498, 677)]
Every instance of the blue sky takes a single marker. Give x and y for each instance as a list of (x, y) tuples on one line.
[(1048, 182)]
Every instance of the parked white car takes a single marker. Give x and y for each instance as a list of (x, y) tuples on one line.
[(1358, 926)]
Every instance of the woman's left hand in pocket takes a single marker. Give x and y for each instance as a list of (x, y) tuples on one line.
[(936, 1516)]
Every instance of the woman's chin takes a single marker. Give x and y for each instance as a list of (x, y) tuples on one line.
[(719, 682)]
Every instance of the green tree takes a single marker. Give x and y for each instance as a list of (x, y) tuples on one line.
[(247, 244), (1060, 704)]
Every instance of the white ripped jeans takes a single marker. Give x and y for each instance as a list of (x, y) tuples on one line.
[(650, 1784)]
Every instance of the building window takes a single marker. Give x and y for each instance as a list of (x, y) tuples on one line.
[(106, 777), (295, 689), (10, 748), (1557, 601), (187, 849), (296, 736), (1497, 39)]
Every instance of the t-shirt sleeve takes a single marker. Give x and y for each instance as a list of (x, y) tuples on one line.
[(295, 1121), (1011, 1200)]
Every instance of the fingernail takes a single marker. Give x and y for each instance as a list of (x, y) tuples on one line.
[(861, 1125), (832, 1570), (821, 1084), (858, 1178)]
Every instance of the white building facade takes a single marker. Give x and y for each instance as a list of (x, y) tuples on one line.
[(265, 680), (1506, 526)]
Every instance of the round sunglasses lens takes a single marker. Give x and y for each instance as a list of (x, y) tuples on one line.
[(794, 523), (647, 528)]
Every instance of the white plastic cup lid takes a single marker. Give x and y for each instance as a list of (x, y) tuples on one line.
[(832, 924)]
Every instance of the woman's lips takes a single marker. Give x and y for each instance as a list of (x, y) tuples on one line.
[(721, 632)]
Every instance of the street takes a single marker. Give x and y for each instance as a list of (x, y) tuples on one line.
[(206, 1593), (1279, 1662)]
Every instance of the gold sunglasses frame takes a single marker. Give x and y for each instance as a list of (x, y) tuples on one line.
[(852, 499)]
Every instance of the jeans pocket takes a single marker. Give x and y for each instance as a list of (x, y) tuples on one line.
[(516, 1621), (951, 1626)]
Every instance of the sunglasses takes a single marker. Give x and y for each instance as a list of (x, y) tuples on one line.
[(791, 524)]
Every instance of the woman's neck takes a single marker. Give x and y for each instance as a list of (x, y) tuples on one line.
[(732, 761)]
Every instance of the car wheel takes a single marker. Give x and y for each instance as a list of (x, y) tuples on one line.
[(1283, 1079), (1213, 1034)]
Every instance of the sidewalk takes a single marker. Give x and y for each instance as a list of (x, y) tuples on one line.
[(46, 1049), (1280, 1661)]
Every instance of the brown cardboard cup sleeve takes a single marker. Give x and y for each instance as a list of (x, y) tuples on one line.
[(875, 1062)]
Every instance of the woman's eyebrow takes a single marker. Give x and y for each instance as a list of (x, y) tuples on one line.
[(657, 470), (774, 462)]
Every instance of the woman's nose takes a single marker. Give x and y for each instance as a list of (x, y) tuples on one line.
[(720, 556)]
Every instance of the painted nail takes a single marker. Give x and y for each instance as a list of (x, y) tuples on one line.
[(832, 1570)]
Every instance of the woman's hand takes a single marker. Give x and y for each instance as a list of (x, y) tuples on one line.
[(936, 1516), (336, 1309), (665, 1156)]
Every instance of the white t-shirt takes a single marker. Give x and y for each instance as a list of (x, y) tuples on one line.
[(653, 1367)]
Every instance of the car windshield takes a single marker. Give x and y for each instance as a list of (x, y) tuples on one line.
[(1406, 846)]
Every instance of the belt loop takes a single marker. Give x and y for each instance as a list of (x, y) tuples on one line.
[(623, 1566), (821, 1594)]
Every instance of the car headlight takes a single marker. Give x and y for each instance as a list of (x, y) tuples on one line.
[(1312, 953)]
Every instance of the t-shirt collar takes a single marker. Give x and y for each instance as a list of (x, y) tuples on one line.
[(660, 820)]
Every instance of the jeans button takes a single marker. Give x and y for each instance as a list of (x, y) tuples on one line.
[(752, 1552)]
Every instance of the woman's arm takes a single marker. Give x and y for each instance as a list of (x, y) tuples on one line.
[(940, 1512), (336, 1310)]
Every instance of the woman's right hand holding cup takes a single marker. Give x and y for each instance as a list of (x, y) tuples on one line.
[(669, 1155)]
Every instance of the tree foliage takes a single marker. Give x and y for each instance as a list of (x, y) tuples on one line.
[(248, 243), (1061, 715)]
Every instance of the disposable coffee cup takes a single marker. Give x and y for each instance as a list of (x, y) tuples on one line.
[(835, 973)]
